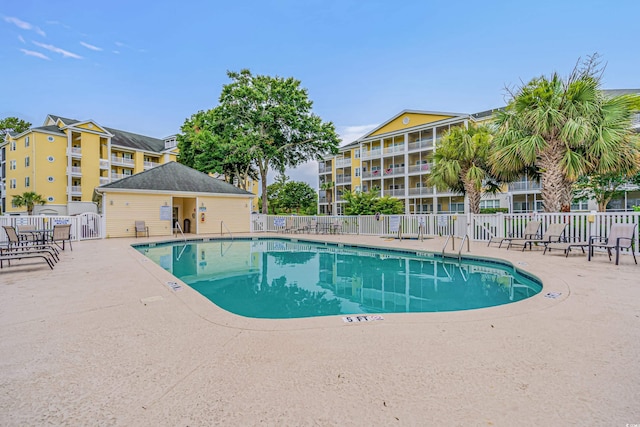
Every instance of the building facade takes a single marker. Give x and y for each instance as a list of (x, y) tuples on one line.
[(395, 159), (64, 160)]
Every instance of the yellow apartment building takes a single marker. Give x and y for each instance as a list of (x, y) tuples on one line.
[(64, 160)]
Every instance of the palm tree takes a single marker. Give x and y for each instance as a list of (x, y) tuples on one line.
[(328, 188), (564, 129), (461, 164), (28, 199)]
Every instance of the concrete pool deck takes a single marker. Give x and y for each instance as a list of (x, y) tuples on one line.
[(102, 340)]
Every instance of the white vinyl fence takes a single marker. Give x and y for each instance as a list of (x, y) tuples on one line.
[(83, 227), (580, 226)]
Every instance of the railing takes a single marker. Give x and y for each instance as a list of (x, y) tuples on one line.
[(343, 179), (149, 165), (176, 228), (372, 174), (524, 186), (368, 154), (424, 167), (222, 224), (75, 189), (421, 144), (104, 180), (394, 149), (122, 161), (482, 227), (343, 163), (104, 164), (116, 176), (85, 226), (75, 151), (399, 192), (420, 191), (75, 170), (394, 171)]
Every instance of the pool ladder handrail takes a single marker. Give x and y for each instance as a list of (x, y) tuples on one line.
[(225, 226), (453, 245), (177, 227)]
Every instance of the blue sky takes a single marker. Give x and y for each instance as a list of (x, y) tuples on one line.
[(147, 66)]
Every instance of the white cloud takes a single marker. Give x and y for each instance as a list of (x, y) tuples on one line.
[(117, 52), (35, 54), (24, 25), (55, 49), (348, 134), (90, 46), (22, 39)]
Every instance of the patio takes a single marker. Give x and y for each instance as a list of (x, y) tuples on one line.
[(102, 339)]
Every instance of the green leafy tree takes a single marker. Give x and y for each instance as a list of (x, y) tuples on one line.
[(297, 196), (28, 199), (13, 124), (274, 117), (564, 129), (461, 164), (602, 188), (369, 203), (209, 144), (274, 192), (327, 187)]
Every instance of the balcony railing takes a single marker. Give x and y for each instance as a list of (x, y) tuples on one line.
[(342, 163), (394, 171), (424, 167), (343, 179), (524, 186), (75, 170), (372, 174), (367, 154), (322, 199), (421, 144), (395, 193), (116, 176), (104, 164), (104, 180), (75, 189), (420, 191), (149, 165), (122, 161), (75, 152), (394, 149)]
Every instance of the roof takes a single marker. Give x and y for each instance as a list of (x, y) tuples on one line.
[(120, 138), (618, 92), (175, 177)]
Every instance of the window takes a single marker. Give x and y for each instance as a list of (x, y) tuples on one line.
[(488, 204), (12, 183), (27, 181), (50, 139), (357, 154), (127, 156), (580, 206), (26, 142), (51, 159), (50, 199), (126, 172), (12, 165), (12, 147), (357, 171), (457, 207), (26, 162), (50, 179)]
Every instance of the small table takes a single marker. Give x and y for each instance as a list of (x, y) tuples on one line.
[(37, 235)]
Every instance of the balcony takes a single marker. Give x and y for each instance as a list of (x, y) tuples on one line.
[(122, 161), (424, 168), (117, 176), (394, 193), (74, 171), (75, 190), (104, 180), (104, 163), (394, 171), (343, 179), (368, 154), (74, 152), (421, 191), (371, 174), (524, 186), (323, 169), (322, 199), (343, 163), (421, 144), (150, 165), (394, 149)]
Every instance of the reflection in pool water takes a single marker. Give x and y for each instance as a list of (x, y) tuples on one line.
[(271, 278)]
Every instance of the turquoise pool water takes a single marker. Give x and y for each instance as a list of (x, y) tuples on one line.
[(278, 278)]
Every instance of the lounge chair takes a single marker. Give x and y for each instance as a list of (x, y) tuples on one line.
[(530, 232), (553, 233), (15, 255), (621, 236), (565, 246), (61, 233), (290, 226), (141, 228), (21, 247)]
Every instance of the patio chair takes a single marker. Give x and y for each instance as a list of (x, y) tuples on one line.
[(311, 226), (27, 232), (336, 226), (554, 233), (290, 226), (61, 233), (621, 236), (565, 246), (141, 228), (530, 232)]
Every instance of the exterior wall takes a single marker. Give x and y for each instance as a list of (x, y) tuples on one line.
[(121, 210), (90, 164), (234, 211), (54, 191)]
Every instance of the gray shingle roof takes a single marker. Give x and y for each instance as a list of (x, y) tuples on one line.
[(50, 129), (176, 177)]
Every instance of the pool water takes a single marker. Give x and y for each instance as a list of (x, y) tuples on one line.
[(278, 278)]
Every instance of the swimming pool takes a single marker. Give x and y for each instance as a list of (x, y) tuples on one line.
[(280, 278)]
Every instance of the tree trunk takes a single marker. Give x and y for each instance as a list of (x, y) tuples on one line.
[(551, 177), (263, 179), (474, 197), (329, 193)]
